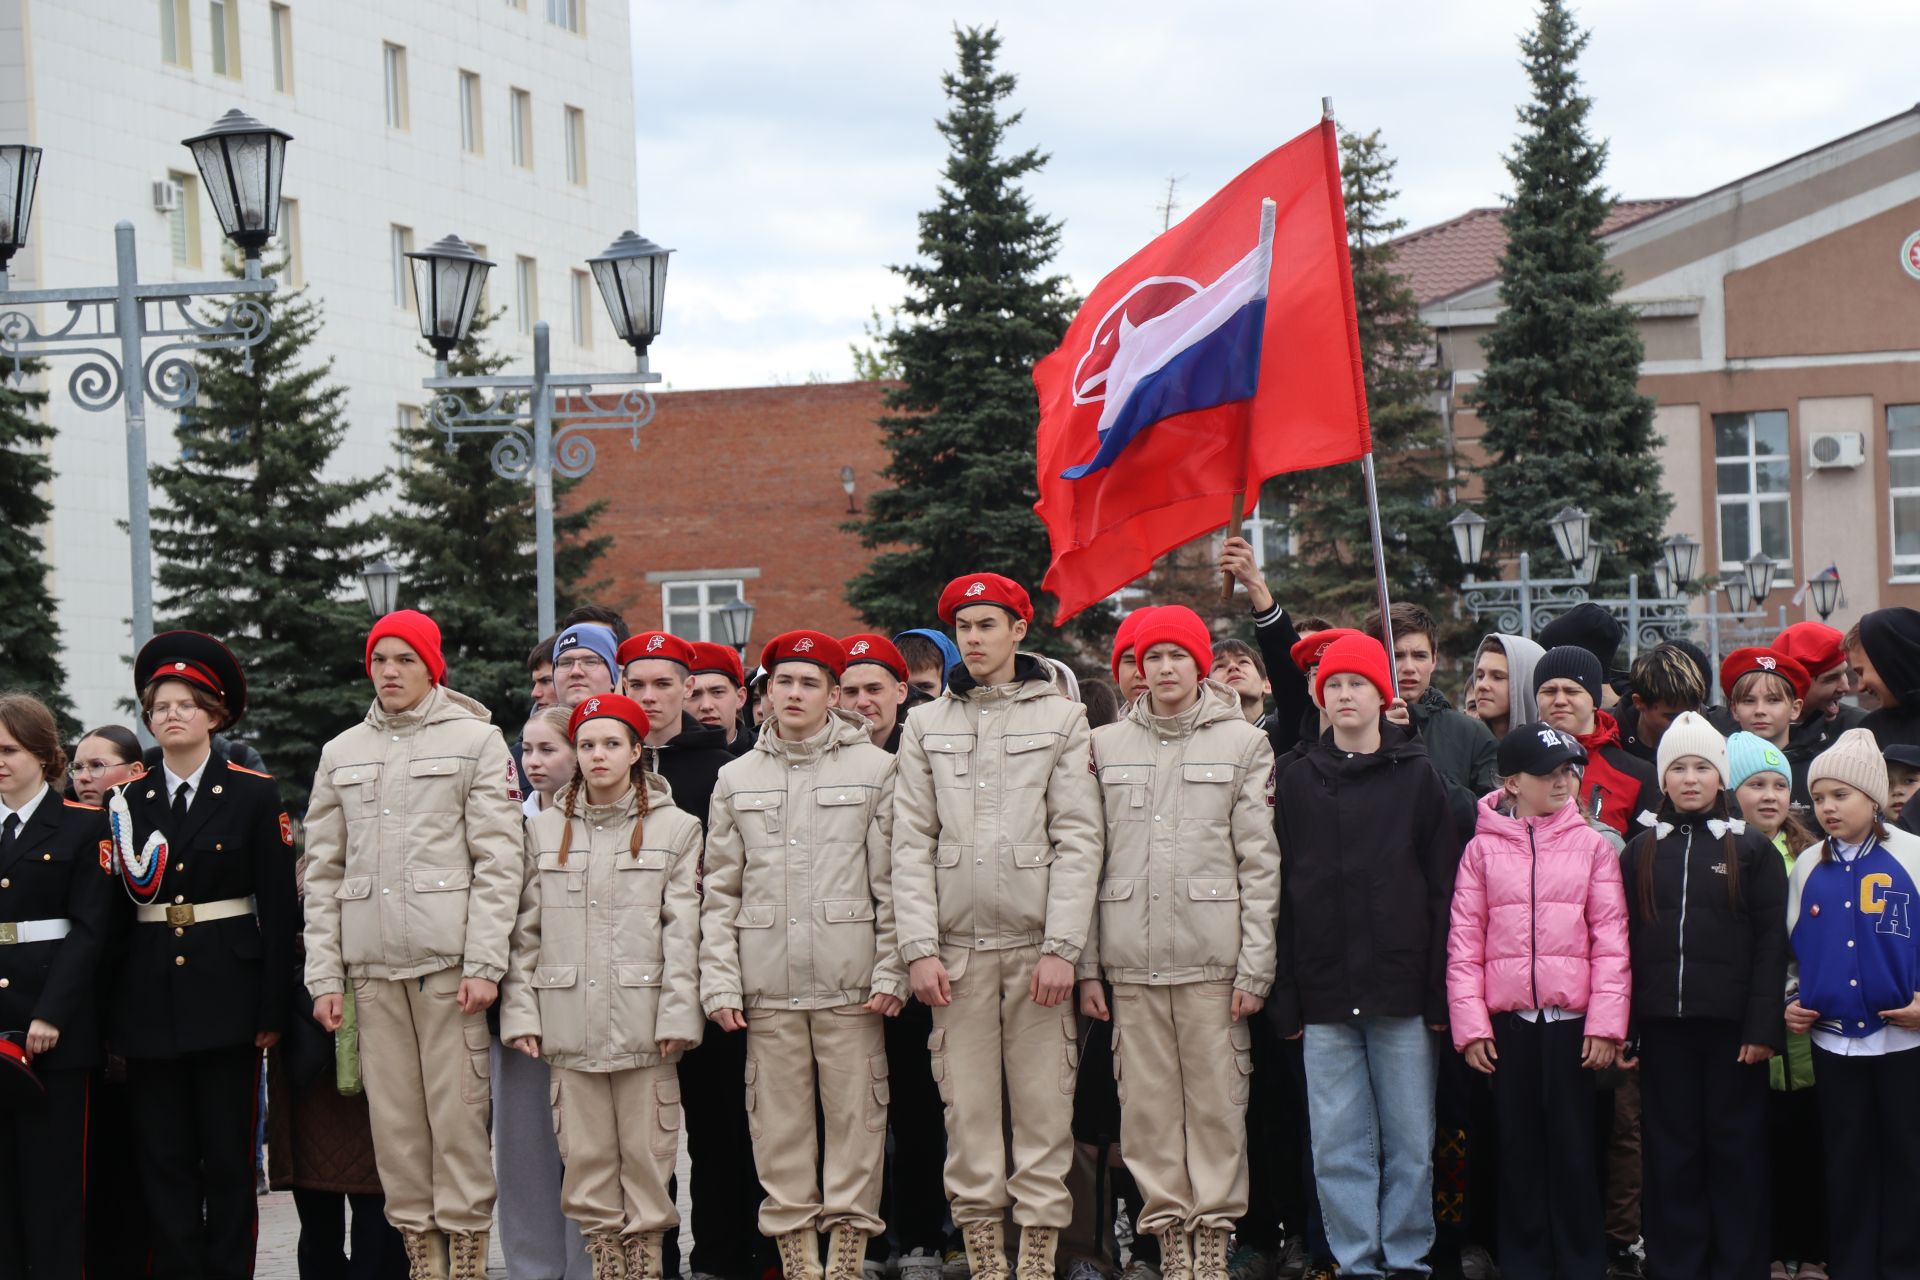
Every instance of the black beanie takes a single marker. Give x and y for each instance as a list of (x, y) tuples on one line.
[(1569, 662), (1891, 638), (1585, 626)]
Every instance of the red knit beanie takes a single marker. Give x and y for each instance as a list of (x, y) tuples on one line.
[(1123, 638), (419, 632), (1173, 624), (1355, 655)]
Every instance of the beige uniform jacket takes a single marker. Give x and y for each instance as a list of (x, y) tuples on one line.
[(996, 819), (606, 949), (798, 911), (413, 847), (1191, 888)]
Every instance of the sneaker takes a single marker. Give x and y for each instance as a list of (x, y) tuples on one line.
[(1625, 1264), (1249, 1263), (873, 1269), (1476, 1264), (1140, 1269), (921, 1264), (1293, 1258), (1082, 1269), (954, 1265)]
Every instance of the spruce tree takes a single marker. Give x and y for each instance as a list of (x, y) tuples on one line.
[(257, 546), (1331, 569), (463, 539), (1564, 421), (29, 632), (980, 310)]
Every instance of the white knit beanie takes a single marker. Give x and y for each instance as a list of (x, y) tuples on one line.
[(1855, 760), (1689, 734)]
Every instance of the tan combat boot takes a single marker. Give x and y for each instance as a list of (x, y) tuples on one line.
[(986, 1249), (1037, 1245), (1176, 1257), (1210, 1253), (846, 1250), (605, 1255), (800, 1254), (420, 1255), (642, 1250), (467, 1255)]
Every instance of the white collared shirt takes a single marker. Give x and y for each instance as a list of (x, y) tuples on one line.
[(25, 811), (173, 780)]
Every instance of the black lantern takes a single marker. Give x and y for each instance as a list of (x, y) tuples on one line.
[(1681, 556), (736, 622), (1826, 591), (382, 583), (1759, 569), (632, 275), (448, 277), (1469, 536), (1570, 529), (241, 162), (19, 173), (1739, 594)]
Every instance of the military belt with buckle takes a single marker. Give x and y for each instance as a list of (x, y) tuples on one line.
[(180, 915), (15, 932)]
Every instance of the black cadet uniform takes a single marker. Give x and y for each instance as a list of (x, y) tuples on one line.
[(203, 970), (56, 908)]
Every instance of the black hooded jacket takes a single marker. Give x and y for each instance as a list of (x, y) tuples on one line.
[(691, 762), (1370, 850), (1891, 638)]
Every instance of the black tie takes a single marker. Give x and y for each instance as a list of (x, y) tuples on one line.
[(7, 834), (180, 807)]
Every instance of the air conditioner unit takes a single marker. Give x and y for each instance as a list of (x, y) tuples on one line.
[(166, 196), (1836, 449)]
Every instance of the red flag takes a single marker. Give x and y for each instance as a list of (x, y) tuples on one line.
[(1209, 361)]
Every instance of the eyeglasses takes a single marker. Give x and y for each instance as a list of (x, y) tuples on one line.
[(577, 664), (94, 768), (173, 711)]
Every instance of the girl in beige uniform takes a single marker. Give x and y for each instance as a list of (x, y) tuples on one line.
[(604, 983)]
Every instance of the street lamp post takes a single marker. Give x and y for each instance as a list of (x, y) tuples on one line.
[(447, 281), (736, 623), (241, 162), (1826, 591), (381, 581)]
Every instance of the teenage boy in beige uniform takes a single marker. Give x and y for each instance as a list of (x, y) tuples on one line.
[(996, 857), (413, 880), (797, 949), (1185, 932)]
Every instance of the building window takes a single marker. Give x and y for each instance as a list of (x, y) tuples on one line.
[(223, 36), (522, 125), (401, 241), (564, 13), (282, 22), (576, 146), (581, 298), (176, 34), (473, 138), (526, 294), (521, 5), (480, 307), (183, 224), (395, 59), (1903, 466), (291, 272), (408, 417), (1753, 475), (691, 609)]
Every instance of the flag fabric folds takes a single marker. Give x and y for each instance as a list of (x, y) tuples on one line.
[(1222, 353)]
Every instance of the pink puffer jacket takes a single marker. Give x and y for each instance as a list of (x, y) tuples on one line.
[(1539, 921)]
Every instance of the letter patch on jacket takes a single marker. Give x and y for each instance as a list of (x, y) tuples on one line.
[(1879, 898)]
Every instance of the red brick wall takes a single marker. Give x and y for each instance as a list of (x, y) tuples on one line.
[(735, 479)]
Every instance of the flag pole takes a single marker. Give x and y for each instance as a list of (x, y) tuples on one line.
[(1239, 518)]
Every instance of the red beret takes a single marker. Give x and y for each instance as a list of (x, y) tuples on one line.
[(1746, 661), (1173, 624), (419, 632), (610, 706), (1354, 654), (985, 588), (656, 644), (816, 647), (878, 650), (710, 659), (1123, 638), (1307, 650), (1814, 645)]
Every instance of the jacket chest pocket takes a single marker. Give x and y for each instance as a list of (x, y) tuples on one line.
[(1125, 790), (358, 786), (433, 784), (950, 758), (840, 814), (761, 817), (1029, 759), (639, 879), (1206, 792), (562, 884)]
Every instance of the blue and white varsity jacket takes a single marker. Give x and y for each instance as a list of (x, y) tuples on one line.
[(1851, 930)]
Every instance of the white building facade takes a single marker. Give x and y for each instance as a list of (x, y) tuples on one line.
[(507, 122)]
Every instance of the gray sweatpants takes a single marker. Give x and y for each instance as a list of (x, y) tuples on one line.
[(536, 1239)]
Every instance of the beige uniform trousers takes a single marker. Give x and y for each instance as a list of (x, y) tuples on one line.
[(1183, 1068), (994, 1037), (836, 1058), (428, 1088), (619, 1134)]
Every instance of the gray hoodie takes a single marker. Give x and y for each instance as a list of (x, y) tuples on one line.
[(1522, 654)]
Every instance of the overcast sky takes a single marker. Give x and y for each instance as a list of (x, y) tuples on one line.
[(785, 148)]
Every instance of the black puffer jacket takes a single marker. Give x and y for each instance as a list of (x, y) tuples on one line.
[(1369, 848), (1696, 955), (691, 763)]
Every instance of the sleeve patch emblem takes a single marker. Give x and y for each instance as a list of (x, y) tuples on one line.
[(286, 830)]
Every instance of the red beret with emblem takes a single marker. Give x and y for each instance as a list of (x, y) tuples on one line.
[(878, 650), (710, 659), (1743, 662), (1814, 645), (1306, 651), (985, 588), (610, 706), (816, 647), (656, 644)]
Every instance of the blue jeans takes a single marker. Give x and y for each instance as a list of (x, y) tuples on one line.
[(1370, 1085)]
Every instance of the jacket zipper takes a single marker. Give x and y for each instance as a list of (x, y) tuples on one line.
[(1533, 915), (1680, 980)]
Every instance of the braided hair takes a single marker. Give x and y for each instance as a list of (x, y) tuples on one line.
[(636, 776)]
